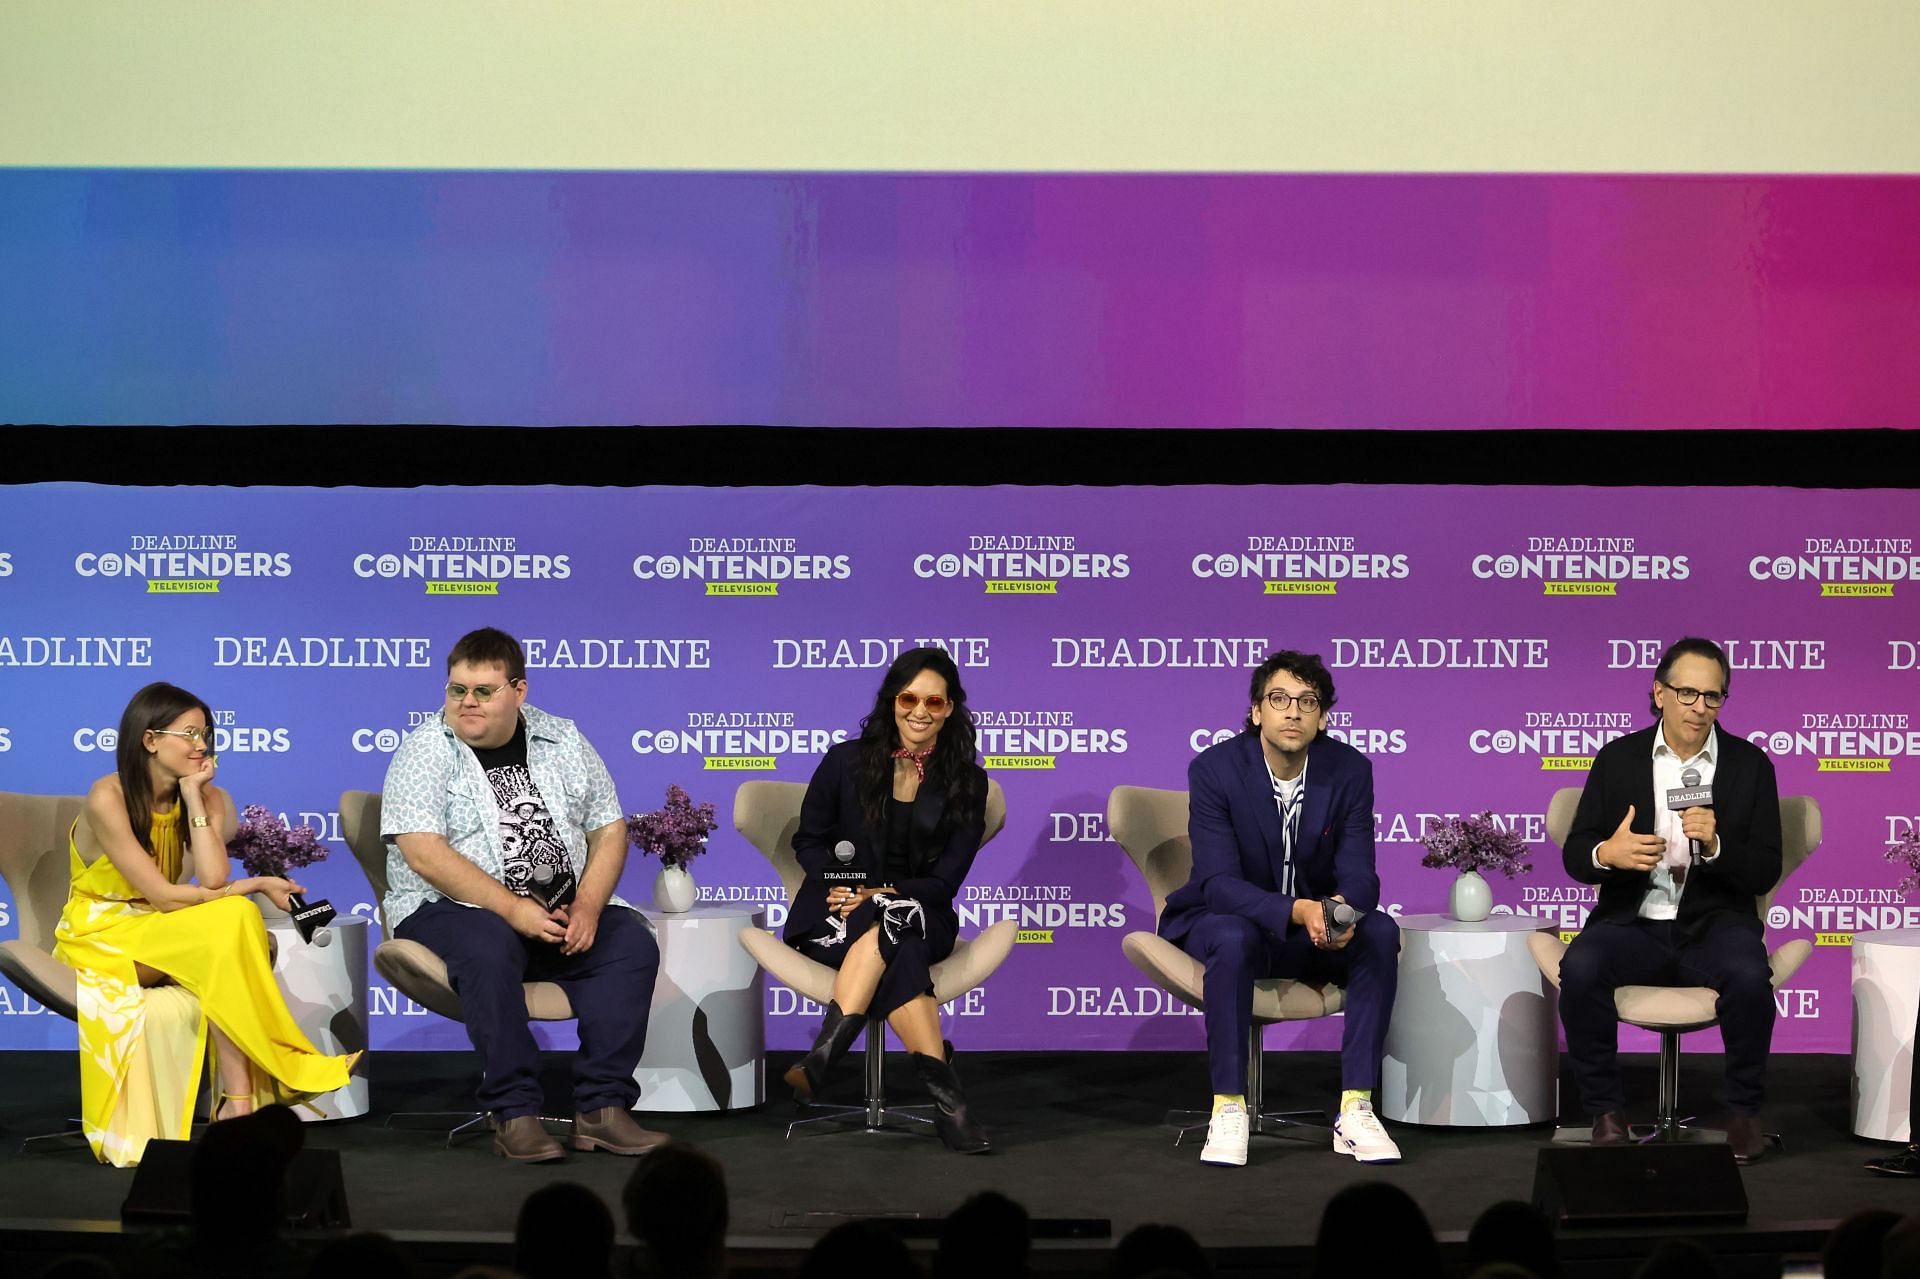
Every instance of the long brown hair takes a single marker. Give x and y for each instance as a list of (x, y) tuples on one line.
[(155, 706)]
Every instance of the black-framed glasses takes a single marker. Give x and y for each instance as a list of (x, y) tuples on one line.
[(481, 692), (198, 736), (1688, 696), (1309, 702)]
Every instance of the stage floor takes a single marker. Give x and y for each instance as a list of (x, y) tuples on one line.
[(1078, 1135)]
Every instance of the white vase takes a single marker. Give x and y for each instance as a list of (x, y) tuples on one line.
[(674, 891), (1470, 900)]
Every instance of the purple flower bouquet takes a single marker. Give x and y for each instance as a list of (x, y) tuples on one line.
[(677, 833), (1906, 854), (1475, 843), (265, 846)]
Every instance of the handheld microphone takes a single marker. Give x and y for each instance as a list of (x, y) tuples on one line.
[(848, 875), (552, 886), (1339, 915), (1691, 793), (310, 918)]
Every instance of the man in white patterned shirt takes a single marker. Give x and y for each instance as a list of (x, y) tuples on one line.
[(492, 810)]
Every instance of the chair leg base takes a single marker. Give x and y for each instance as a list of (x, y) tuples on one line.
[(1291, 1125), (75, 1137), (466, 1123), (864, 1118)]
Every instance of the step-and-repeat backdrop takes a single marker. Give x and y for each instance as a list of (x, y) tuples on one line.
[(1484, 642)]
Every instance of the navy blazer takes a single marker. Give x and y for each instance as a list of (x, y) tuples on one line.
[(942, 845), (1746, 810), (1237, 841)]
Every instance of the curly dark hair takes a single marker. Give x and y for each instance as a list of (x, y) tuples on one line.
[(1305, 667), (950, 765)]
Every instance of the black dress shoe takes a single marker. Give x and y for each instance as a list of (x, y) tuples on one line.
[(1744, 1135), (1610, 1129), (1904, 1164)]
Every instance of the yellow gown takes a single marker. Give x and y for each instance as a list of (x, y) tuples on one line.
[(142, 1048)]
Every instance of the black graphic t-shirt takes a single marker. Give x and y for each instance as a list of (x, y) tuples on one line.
[(527, 834)]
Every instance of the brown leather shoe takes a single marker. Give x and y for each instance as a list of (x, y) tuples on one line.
[(613, 1130), (1744, 1135), (524, 1141), (1610, 1129)]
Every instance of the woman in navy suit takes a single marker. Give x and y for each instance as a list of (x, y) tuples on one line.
[(890, 825)]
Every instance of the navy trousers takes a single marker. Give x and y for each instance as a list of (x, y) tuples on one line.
[(1235, 951), (1648, 952), (610, 988)]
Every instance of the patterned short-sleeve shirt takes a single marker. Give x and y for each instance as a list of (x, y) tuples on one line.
[(436, 786)]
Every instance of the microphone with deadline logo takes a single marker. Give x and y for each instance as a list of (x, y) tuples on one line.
[(848, 876), (1691, 793)]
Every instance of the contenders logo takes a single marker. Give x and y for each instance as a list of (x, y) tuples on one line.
[(742, 565), (463, 565), (1742, 655), (1849, 742), (1564, 741), (1039, 909), (1845, 567), (183, 564), (76, 650), (1580, 566), (1301, 565), (6, 563), (1368, 739), (1156, 652), (229, 737), (6, 739), (1023, 563), (1037, 739), (750, 741), (385, 741)]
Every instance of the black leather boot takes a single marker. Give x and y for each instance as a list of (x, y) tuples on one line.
[(838, 1030), (950, 1116)]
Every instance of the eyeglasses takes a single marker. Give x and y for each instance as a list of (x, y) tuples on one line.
[(1688, 696), (1309, 702), (482, 693), (198, 736), (935, 703)]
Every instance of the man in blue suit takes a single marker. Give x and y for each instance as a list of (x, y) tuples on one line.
[(1281, 819)]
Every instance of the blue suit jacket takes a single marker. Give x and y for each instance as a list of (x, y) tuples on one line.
[(1237, 842)]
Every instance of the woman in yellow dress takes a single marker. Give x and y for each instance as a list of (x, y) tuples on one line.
[(167, 966)]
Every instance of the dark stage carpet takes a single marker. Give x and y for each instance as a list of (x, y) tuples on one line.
[(1078, 1135)]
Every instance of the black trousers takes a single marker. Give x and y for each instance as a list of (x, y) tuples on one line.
[(610, 988), (1647, 952)]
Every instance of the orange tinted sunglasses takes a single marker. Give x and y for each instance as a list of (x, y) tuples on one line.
[(935, 702)]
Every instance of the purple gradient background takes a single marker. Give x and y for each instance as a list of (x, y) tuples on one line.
[(1392, 301), (1420, 723)]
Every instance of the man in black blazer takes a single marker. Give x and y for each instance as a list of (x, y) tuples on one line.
[(1678, 889), (1281, 819)]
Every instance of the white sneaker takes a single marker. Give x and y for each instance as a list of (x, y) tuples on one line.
[(1357, 1132), (1227, 1137)]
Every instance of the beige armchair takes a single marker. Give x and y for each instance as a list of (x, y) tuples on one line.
[(768, 813), (1151, 826), (416, 971), (33, 861), (1672, 1011)]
